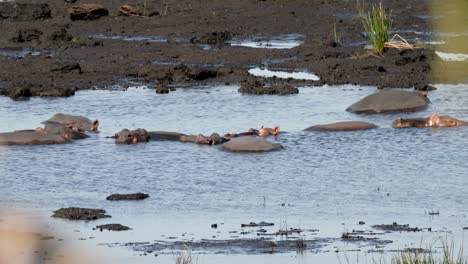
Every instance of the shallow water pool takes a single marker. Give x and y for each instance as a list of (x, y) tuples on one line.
[(325, 181)]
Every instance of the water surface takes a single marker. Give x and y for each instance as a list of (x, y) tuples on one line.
[(326, 181)]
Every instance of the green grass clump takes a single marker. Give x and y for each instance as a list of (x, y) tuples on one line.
[(377, 24)]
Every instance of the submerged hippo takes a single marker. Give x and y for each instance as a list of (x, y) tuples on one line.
[(78, 123), (250, 144), (433, 120), (213, 139), (342, 126), (164, 136), (31, 137), (392, 100), (131, 136)]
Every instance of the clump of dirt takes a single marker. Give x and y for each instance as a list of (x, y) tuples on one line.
[(253, 224), (260, 86), (76, 213), (130, 196), (87, 12), (395, 227), (112, 227)]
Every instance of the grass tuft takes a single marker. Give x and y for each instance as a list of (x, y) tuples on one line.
[(184, 257), (377, 24), (449, 256)]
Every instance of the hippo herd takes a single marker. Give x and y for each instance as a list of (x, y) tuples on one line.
[(63, 128)]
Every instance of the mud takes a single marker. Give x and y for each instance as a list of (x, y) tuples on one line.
[(232, 246), (130, 196), (112, 227), (47, 25), (395, 227), (75, 213)]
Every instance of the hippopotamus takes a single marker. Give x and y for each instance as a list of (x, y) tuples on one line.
[(164, 136), (342, 126), (392, 100), (433, 120), (32, 137), (61, 129), (131, 136), (78, 123), (250, 144), (213, 139), (266, 131)]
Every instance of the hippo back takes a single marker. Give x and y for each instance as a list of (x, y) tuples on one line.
[(77, 122), (31, 137), (391, 100)]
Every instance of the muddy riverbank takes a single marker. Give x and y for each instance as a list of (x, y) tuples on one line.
[(192, 42)]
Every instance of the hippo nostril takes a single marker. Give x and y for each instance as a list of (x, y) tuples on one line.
[(129, 135)]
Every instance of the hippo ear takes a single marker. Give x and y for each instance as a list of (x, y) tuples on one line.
[(95, 125)]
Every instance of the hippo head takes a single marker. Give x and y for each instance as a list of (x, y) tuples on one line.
[(131, 136), (77, 126), (444, 121)]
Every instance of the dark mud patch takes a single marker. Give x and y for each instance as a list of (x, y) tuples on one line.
[(395, 227), (233, 246), (75, 213), (368, 238), (130, 196), (112, 227), (265, 25), (261, 86), (259, 224)]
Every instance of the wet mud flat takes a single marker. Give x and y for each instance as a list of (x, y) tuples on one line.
[(207, 42)]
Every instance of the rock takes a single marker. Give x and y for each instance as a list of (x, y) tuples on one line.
[(27, 35), (128, 10), (130, 196), (342, 126), (113, 227), (24, 11), (259, 86), (214, 226), (391, 100), (162, 90), (87, 12), (250, 145), (66, 67), (21, 92), (164, 135), (76, 213)]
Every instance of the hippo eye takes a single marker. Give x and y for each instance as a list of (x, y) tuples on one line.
[(129, 135)]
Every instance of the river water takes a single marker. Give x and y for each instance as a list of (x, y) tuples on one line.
[(324, 181)]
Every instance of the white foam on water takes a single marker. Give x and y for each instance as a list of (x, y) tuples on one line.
[(452, 56), (283, 74)]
